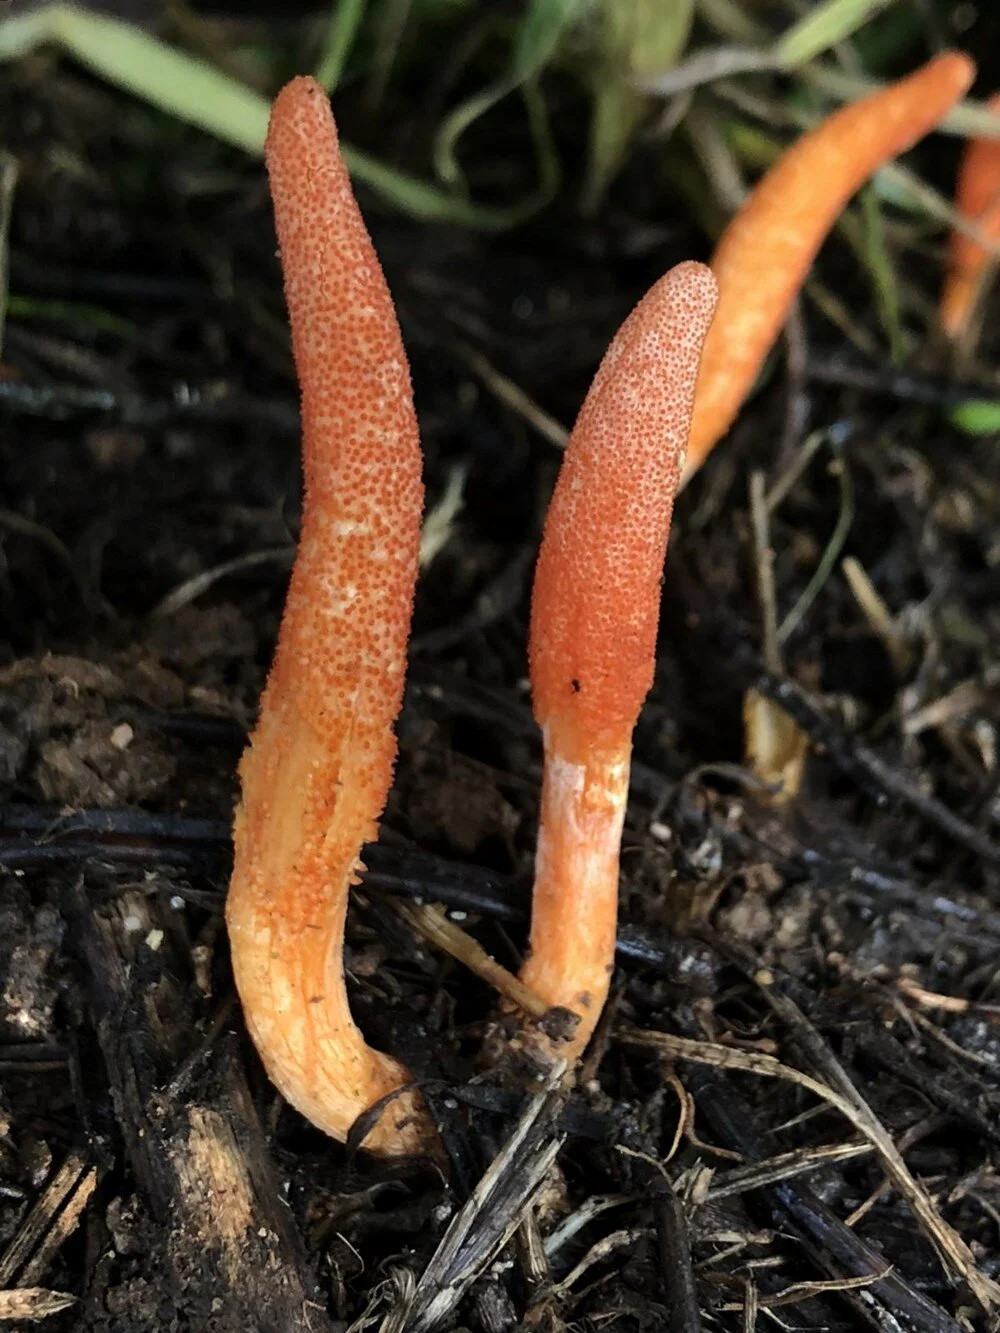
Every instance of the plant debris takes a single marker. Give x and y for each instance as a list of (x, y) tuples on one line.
[(790, 1111)]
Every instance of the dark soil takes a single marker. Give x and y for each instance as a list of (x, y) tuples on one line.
[(149, 434)]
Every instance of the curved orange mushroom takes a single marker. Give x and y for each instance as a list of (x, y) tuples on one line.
[(977, 199), (319, 765), (594, 615), (768, 248)]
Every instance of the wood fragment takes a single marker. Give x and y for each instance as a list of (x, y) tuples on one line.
[(33, 1303), (229, 1244), (674, 1248), (41, 1221), (489, 1217), (430, 921), (794, 1208), (870, 769), (952, 1248), (878, 615)]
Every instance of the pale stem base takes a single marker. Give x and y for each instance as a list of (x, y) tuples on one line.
[(296, 855), (575, 903)]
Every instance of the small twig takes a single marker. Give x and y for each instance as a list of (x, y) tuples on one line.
[(802, 1291), (430, 921), (583, 1216), (189, 402), (930, 1125), (878, 615), (33, 1303), (829, 558), (8, 184), (954, 1048), (891, 383), (191, 589), (490, 1215), (780, 489), (512, 395), (785, 1166), (969, 696), (598, 1252), (764, 566), (826, 300), (952, 1248), (950, 1244), (856, 759), (63, 1225), (48, 836), (439, 521), (774, 746), (795, 1208), (31, 1236), (677, 1274), (796, 344)]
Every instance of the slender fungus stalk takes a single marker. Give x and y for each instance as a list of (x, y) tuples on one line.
[(977, 199), (319, 765), (768, 248), (594, 614)]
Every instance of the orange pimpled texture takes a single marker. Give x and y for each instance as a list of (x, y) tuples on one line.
[(319, 765), (596, 596), (769, 246), (977, 199)]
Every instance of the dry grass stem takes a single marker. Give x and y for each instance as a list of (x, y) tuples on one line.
[(949, 1244), (430, 921), (503, 388), (878, 615)]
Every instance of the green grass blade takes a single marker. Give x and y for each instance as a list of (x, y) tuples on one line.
[(457, 122), (977, 416), (180, 84), (8, 184), (636, 39), (421, 200), (344, 24), (540, 33), (79, 314), (201, 95), (878, 261), (824, 26)]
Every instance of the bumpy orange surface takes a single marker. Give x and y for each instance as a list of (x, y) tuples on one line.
[(977, 198), (767, 249), (319, 765), (594, 614), (596, 597)]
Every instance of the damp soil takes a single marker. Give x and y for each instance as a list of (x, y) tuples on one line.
[(150, 1177)]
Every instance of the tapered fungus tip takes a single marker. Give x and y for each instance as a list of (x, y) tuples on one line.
[(301, 107), (977, 200), (597, 584), (960, 66), (767, 249)]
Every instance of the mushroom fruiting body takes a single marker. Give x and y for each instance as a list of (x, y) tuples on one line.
[(594, 615), (977, 199), (318, 769), (767, 249)]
